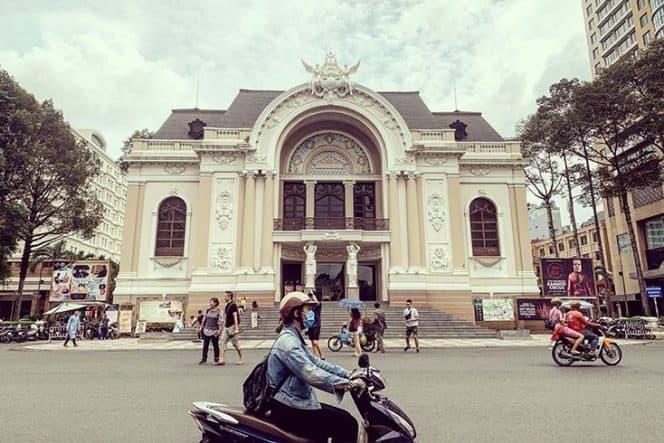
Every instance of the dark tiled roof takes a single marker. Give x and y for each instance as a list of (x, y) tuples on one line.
[(248, 105), (176, 125)]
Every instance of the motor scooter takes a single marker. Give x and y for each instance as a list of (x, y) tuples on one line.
[(609, 351), (382, 420)]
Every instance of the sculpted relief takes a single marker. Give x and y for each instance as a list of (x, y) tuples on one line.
[(330, 153), (224, 211), (436, 212)]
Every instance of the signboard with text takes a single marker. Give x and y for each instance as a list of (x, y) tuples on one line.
[(494, 309), (653, 291), (79, 280), (568, 277), (533, 308)]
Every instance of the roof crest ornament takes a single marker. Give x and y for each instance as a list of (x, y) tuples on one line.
[(331, 79)]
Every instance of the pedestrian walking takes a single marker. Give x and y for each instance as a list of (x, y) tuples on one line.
[(254, 314), (211, 329), (200, 318), (231, 328), (412, 317), (381, 325), (355, 326), (314, 330), (72, 328), (103, 327)]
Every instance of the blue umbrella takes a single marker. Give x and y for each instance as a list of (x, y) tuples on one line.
[(346, 303)]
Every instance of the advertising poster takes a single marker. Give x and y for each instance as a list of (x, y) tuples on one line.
[(124, 322), (494, 309), (568, 277), (533, 308), (159, 311), (84, 280)]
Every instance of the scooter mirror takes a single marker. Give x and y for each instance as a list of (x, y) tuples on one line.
[(363, 361)]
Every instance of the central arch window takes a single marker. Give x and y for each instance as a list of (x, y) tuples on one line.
[(484, 228), (171, 227), (329, 200)]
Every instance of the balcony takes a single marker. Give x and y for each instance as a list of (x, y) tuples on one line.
[(334, 223)]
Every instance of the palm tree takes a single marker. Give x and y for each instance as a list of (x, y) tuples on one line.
[(56, 251)]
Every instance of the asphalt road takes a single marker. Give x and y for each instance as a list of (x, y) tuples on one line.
[(456, 395)]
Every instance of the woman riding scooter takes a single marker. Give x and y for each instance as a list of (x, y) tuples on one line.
[(295, 370)]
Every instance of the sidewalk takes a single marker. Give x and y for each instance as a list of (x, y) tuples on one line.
[(134, 344)]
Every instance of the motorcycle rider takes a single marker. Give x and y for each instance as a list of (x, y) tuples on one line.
[(577, 321), (295, 369)]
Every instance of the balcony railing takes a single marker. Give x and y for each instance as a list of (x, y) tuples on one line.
[(327, 223)]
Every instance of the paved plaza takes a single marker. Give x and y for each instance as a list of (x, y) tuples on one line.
[(511, 394)]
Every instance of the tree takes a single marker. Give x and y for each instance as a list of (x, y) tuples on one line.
[(14, 102), (53, 198), (623, 154), (55, 251), (643, 76), (127, 146), (543, 177)]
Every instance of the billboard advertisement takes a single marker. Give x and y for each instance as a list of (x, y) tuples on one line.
[(533, 308), (79, 280), (159, 311), (568, 277)]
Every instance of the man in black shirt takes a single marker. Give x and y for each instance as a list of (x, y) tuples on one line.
[(231, 328)]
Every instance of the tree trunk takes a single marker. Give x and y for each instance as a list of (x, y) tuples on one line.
[(600, 242), (635, 252), (25, 263), (570, 206), (552, 230)]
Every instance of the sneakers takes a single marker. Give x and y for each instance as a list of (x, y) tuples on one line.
[(417, 349), (202, 362), (406, 348)]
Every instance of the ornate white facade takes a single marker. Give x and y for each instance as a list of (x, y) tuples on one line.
[(329, 185)]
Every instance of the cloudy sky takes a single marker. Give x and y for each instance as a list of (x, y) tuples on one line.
[(123, 65)]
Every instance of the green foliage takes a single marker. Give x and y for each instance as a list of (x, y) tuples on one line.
[(127, 146)]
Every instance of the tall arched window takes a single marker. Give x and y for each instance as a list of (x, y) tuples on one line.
[(171, 227), (484, 228)]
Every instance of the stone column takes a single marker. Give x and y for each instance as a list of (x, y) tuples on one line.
[(456, 222), (248, 237), (132, 231), (268, 216), (310, 266), (348, 203), (259, 217), (310, 200), (240, 219), (396, 255), (201, 233), (413, 222), (351, 272)]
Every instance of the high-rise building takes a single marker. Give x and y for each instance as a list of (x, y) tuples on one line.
[(538, 221), (110, 185), (618, 27), (615, 28)]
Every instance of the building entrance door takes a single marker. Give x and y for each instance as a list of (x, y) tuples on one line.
[(366, 280), (330, 282)]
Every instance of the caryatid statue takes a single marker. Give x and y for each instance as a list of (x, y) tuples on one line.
[(351, 264), (310, 265)]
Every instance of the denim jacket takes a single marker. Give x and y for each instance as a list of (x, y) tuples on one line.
[(291, 362)]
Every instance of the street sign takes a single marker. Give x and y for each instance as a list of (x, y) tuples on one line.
[(653, 291)]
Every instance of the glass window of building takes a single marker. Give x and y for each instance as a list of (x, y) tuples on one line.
[(655, 233), (641, 3), (561, 246), (595, 237), (598, 67), (643, 20), (591, 23), (484, 228), (595, 52), (647, 38), (589, 10), (541, 252), (624, 246), (593, 38), (171, 227), (584, 240)]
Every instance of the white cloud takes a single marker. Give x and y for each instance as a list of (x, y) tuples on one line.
[(124, 65)]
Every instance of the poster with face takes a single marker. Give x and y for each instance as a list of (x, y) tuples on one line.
[(84, 280), (568, 277)]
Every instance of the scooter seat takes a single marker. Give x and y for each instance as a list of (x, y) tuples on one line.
[(262, 424)]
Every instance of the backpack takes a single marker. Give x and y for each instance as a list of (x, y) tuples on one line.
[(256, 388)]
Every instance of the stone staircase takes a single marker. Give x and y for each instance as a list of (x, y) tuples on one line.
[(433, 324)]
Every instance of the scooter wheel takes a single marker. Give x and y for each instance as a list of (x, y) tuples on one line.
[(556, 352), (369, 345), (334, 343), (611, 354)]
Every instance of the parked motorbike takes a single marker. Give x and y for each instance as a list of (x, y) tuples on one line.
[(7, 334), (337, 341), (383, 420), (113, 331), (609, 351), (92, 331)]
